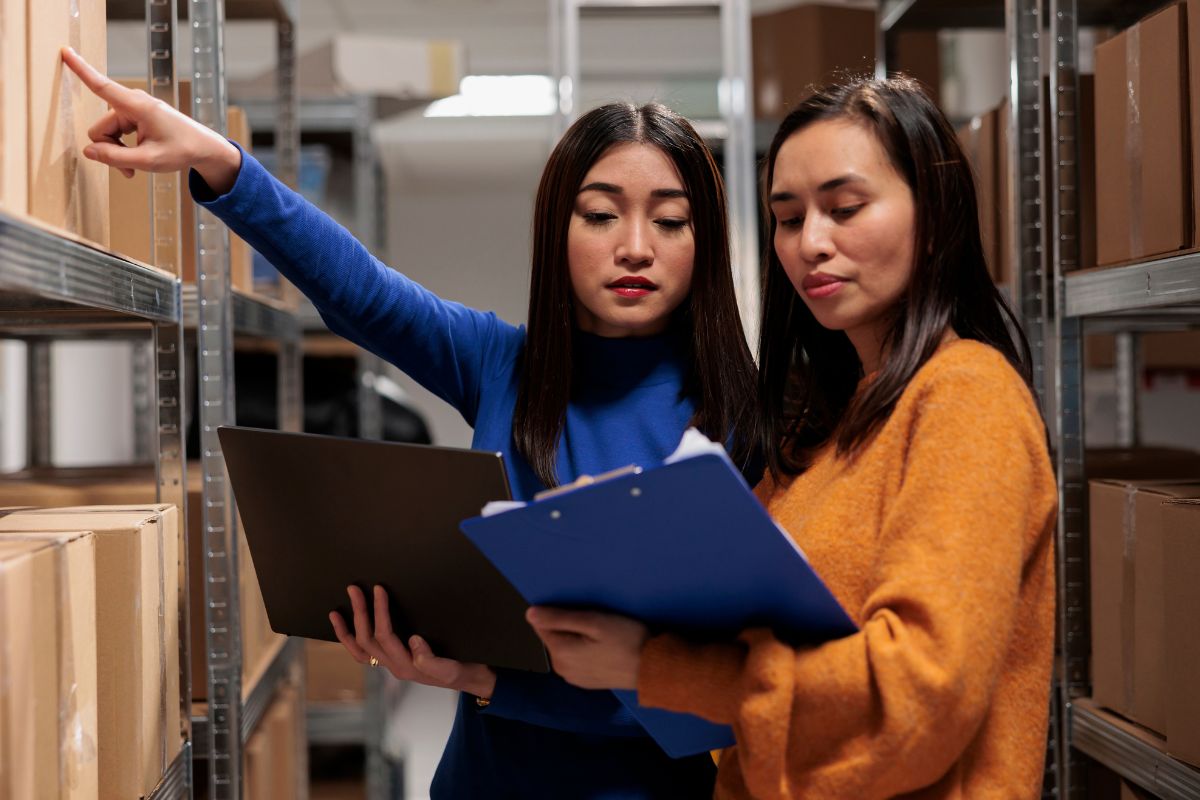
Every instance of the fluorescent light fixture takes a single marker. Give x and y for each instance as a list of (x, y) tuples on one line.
[(499, 96)]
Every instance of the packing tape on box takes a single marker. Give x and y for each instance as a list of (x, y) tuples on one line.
[(76, 744), (1128, 595), (1133, 131), (70, 92)]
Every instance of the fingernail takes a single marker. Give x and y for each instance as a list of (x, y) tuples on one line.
[(415, 641), (90, 152)]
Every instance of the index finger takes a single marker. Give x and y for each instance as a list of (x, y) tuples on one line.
[(103, 86)]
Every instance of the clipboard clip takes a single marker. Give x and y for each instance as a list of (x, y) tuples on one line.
[(586, 480)]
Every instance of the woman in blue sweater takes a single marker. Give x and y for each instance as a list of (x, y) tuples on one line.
[(633, 335)]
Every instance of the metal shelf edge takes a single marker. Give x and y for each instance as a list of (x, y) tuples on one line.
[(251, 317), (1163, 283), (50, 267), (256, 701), (1133, 758), (337, 723), (278, 10), (174, 782)]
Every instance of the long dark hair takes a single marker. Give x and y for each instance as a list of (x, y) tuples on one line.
[(808, 374), (721, 371)]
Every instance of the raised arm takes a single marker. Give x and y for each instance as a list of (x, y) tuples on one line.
[(445, 346)]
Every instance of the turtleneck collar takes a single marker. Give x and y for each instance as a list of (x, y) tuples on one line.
[(625, 363)]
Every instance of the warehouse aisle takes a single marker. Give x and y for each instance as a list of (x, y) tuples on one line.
[(418, 731)]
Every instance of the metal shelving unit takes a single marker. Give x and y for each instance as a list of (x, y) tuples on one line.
[(220, 318), (214, 318), (734, 130), (1163, 294)]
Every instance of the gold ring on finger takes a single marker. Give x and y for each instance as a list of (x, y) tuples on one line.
[(374, 661)]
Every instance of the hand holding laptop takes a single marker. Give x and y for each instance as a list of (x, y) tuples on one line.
[(414, 662)]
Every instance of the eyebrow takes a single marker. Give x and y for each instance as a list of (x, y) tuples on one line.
[(827, 186), (612, 188)]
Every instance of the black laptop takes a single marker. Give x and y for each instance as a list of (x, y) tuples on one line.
[(321, 513)]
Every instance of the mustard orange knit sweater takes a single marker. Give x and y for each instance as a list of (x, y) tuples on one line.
[(937, 538)]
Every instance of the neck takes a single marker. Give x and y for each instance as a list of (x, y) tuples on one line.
[(868, 343)]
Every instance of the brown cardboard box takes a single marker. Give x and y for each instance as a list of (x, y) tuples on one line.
[(14, 112), (980, 141), (918, 54), (48, 713), (129, 200), (1141, 463), (259, 776), (137, 618), (241, 257), (126, 486), (1143, 177), (273, 750), (1181, 556), (130, 205), (287, 738), (66, 189), (1128, 619), (1168, 350), (333, 676), (798, 49)]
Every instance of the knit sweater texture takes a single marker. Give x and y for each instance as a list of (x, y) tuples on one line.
[(540, 737), (937, 538)]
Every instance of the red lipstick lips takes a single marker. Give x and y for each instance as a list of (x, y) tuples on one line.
[(633, 286), (818, 285)]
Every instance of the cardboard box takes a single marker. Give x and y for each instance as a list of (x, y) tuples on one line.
[(1169, 350), (130, 204), (14, 112), (980, 141), (137, 619), (1181, 557), (918, 54), (135, 486), (1143, 175), (333, 676), (66, 189), (798, 49), (241, 256), (1128, 618), (48, 712), (288, 741), (273, 760)]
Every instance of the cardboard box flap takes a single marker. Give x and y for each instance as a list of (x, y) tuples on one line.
[(72, 595)]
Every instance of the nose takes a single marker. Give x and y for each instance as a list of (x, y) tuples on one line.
[(816, 245), (635, 248)]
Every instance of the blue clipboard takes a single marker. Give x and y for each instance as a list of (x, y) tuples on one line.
[(684, 547)]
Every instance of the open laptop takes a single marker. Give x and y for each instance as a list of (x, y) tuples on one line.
[(322, 512)]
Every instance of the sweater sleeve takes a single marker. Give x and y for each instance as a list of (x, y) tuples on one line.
[(551, 702), (444, 346), (888, 710)]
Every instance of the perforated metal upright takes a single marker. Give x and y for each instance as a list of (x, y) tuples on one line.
[(214, 340), (168, 383), (736, 128)]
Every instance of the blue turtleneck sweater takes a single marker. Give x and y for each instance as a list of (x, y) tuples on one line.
[(539, 737)]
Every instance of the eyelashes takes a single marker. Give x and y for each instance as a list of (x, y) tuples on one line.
[(602, 218), (840, 213)]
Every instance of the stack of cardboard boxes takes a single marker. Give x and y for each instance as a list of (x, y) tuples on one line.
[(137, 611), (125, 487), (45, 115), (122, 707), (1145, 545)]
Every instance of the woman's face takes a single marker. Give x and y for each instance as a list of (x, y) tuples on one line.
[(844, 226), (630, 245)]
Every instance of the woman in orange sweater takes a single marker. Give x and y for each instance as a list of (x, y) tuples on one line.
[(907, 459)]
